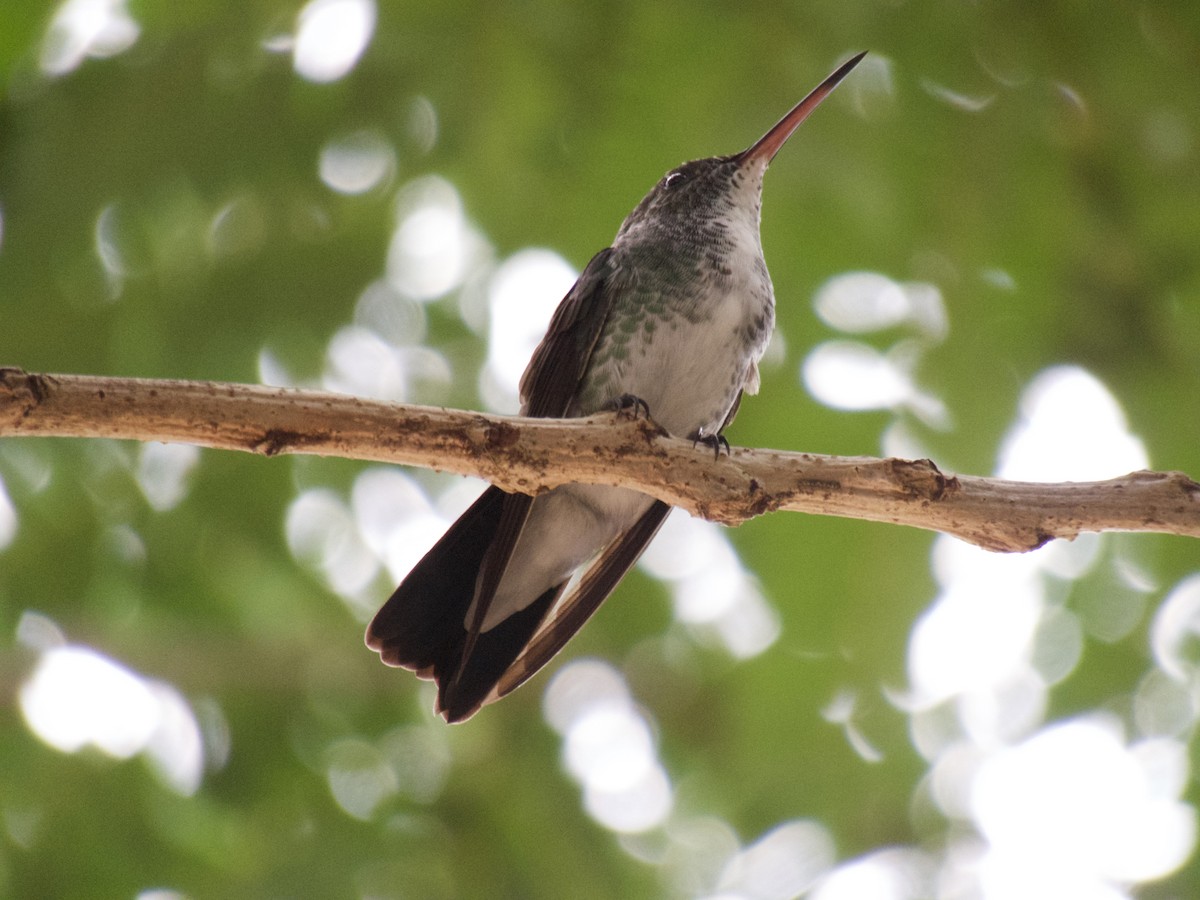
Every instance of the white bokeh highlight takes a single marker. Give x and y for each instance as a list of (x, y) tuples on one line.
[(855, 376), (357, 162), (330, 37), (713, 596), (523, 293), (783, 863), (1071, 428), (163, 472), (862, 302), (434, 247), (1075, 809), (1175, 633), (608, 747), (321, 530), (8, 517), (83, 29), (76, 697)]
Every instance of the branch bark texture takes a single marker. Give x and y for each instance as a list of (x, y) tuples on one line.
[(534, 455)]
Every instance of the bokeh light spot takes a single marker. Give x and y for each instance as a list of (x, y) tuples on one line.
[(86, 28), (321, 530), (359, 777), (423, 124), (331, 35), (578, 688), (640, 806), (892, 874), (783, 863), (1175, 632), (76, 697), (523, 294), (1074, 806), (1071, 429), (857, 302), (162, 473), (957, 99), (358, 162), (608, 747), (854, 376), (713, 594), (8, 517), (238, 229), (433, 247)]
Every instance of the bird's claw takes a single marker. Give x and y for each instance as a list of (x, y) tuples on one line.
[(630, 406), (716, 442)]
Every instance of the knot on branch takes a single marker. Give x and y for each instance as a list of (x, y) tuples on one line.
[(1189, 488), (500, 435), (22, 391), (276, 441), (921, 478)]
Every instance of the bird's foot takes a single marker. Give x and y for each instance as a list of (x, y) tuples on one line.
[(633, 407), (628, 406), (716, 442)]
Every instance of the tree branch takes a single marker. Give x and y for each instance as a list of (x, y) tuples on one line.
[(534, 455)]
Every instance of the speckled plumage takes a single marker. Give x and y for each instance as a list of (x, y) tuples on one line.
[(692, 307)]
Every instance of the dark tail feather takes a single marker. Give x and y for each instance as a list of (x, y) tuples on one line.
[(461, 696), (421, 627)]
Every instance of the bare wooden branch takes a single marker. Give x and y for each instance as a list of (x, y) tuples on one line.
[(534, 455)]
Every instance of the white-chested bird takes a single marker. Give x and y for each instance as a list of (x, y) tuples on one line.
[(672, 318)]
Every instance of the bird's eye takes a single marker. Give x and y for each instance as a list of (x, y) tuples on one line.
[(674, 179)]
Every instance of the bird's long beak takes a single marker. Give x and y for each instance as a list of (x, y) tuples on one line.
[(768, 145)]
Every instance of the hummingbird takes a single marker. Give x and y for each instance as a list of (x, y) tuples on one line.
[(671, 322)]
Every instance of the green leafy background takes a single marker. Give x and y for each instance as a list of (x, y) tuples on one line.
[(1080, 179)]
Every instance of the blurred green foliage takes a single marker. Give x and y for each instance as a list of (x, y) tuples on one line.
[(1078, 177)]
